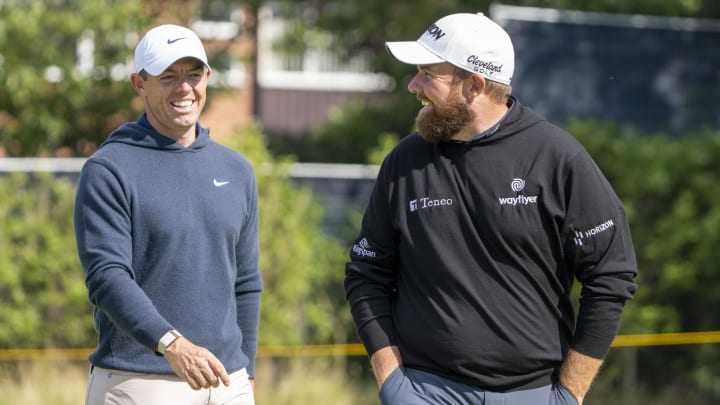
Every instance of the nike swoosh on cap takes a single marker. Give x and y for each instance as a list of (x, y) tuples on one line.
[(172, 41)]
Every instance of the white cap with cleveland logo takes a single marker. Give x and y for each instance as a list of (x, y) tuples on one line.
[(471, 42)]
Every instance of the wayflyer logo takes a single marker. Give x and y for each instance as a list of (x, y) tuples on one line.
[(518, 185)]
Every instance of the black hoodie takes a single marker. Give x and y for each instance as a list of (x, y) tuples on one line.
[(468, 252)]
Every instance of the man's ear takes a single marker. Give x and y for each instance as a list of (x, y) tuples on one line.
[(478, 84), (138, 83)]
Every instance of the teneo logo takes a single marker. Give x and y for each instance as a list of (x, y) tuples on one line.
[(435, 32), (518, 185), (363, 248), (427, 202), (480, 66)]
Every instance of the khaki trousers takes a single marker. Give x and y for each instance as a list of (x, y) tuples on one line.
[(116, 387)]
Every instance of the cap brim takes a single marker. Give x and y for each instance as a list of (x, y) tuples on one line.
[(157, 67), (411, 52)]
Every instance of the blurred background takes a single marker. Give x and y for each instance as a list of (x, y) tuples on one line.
[(307, 92)]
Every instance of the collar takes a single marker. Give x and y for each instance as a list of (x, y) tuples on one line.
[(143, 122), (494, 128)]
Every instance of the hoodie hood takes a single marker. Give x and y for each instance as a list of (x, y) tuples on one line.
[(142, 134), (517, 119)]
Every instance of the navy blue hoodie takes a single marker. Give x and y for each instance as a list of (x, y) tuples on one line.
[(167, 236), (468, 251)]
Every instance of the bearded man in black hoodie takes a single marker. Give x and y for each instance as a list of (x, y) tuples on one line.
[(479, 224)]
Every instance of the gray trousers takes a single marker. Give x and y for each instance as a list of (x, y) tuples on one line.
[(407, 386)]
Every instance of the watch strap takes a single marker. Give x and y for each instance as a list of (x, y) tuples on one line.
[(166, 340)]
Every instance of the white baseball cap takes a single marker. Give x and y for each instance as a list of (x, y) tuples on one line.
[(164, 45), (469, 41)]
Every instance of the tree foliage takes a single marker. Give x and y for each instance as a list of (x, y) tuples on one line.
[(669, 188), (44, 302), (49, 100), (302, 266)]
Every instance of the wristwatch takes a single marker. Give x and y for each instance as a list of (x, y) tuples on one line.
[(167, 340)]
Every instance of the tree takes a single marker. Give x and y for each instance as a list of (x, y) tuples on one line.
[(59, 66)]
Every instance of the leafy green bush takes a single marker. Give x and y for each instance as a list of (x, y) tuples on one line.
[(670, 188), (44, 301), (302, 267)]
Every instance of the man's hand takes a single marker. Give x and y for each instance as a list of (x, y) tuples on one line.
[(577, 373), (195, 364), (384, 362)]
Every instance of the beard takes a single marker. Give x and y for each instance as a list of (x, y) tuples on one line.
[(444, 121)]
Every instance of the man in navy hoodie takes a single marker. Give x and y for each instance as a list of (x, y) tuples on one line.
[(166, 222), (459, 282)]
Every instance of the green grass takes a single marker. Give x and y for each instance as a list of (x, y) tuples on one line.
[(51, 383), (287, 382), (279, 382)]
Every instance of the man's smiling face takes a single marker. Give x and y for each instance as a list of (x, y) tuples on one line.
[(175, 98), (445, 112)]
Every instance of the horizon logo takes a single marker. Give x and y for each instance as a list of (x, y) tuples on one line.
[(435, 32), (592, 232)]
